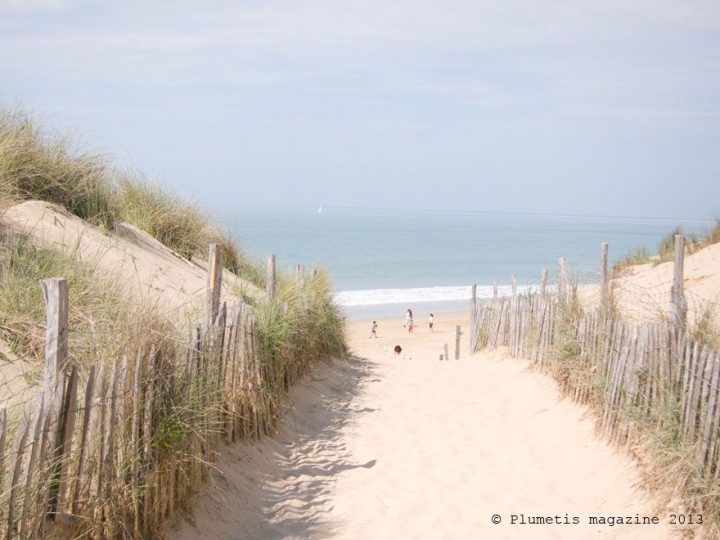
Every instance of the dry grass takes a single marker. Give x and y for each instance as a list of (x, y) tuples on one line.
[(36, 165), (102, 318), (299, 327), (666, 249)]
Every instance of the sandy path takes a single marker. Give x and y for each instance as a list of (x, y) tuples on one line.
[(383, 447)]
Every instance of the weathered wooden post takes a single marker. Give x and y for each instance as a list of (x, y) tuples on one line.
[(562, 281), (678, 303), (495, 291), (447, 356), (214, 282), (55, 294), (604, 293), (514, 286), (543, 282), (473, 318), (457, 343), (271, 277)]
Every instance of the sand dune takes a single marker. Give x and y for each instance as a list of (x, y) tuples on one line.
[(149, 269), (411, 447), (643, 291)]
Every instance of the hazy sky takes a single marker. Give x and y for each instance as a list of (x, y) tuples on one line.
[(580, 107)]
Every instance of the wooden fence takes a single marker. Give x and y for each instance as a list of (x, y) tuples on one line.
[(114, 456), (650, 372)]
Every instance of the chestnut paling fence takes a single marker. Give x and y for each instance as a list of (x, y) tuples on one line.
[(114, 456), (632, 372)]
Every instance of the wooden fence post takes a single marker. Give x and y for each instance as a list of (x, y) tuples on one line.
[(457, 343), (514, 287), (300, 275), (604, 293), (495, 291), (562, 281), (447, 356), (271, 277), (473, 317), (678, 303), (3, 431), (543, 282), (55, 294), (214, 282)]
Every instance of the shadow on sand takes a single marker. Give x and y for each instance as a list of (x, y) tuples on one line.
[(297, 497)]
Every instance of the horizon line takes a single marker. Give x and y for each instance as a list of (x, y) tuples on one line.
[(707, 220)]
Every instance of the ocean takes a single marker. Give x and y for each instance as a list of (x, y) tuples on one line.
[(384, 261)]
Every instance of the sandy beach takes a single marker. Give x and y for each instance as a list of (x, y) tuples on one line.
[(411, 447)]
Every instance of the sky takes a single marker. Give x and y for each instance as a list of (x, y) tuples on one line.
[(592, 108)]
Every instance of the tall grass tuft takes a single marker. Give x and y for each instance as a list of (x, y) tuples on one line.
[(102, 318), (175, 223), (666, 248), (35, 166), (299, 326)]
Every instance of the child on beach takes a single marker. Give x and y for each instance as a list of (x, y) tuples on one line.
[(398, 350), (410, 325), (430, 322), (373, 332), (408, 317)]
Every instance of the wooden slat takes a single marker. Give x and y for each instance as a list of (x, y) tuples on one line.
[(271, 276), (147, 439), (694, 400), (66, 440), (3, 439), (710, 428), (101, 404), (135, 442), (16, 461), (31, 472), (81, 468), (214, 281)]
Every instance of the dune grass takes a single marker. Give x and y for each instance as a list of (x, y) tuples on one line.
[(666, 248), (102, 318), (35, 166), (300, 325), (38, 165)]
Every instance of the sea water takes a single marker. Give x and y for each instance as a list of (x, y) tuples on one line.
[(384, 261)]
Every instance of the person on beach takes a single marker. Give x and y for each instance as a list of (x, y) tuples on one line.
[(373, 332), (430, 322), (410, 325), (408, 317), (398, 350)]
